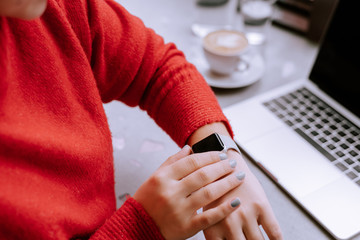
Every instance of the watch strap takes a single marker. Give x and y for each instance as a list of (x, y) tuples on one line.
[(229, 143)]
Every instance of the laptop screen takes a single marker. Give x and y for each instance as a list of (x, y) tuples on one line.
[(337, 67)]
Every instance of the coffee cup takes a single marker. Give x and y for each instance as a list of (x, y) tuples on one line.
[(225, 51)]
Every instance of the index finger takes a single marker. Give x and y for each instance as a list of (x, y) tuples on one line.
[(185, 151), (193, 162)]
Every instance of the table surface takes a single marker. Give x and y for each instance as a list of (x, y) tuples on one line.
[(140, 146)]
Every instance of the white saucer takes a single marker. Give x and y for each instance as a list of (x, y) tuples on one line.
[(236, 80)]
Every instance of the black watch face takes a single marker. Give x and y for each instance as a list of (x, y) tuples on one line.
[(210, 143)]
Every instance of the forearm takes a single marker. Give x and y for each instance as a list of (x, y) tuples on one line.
[(206, 130), (184, 104)]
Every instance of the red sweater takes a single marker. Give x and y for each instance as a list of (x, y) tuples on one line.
[(56, 156)]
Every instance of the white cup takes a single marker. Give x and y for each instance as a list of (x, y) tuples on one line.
[(225, 51), (257, 15)]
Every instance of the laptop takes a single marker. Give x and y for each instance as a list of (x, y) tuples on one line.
[(306, 135)]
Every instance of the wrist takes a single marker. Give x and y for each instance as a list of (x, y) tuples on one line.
[(207, 130), (216, 142)]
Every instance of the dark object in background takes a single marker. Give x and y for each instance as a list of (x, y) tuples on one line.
[(211, 2), (307, 17)]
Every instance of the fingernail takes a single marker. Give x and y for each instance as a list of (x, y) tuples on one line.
[(232, 163), (223, 156), (186, 146), (240, 175), (236, 202)]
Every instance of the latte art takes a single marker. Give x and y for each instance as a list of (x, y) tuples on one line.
[(225, 42)]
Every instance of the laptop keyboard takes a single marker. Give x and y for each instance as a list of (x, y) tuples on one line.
[(328, 131)]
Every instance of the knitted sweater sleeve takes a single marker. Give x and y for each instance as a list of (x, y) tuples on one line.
[(131, 63), (130, 222)]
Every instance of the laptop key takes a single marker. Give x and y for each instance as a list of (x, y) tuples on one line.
[(341, 166), (331, 147), (314, 133), (358, 182), (344, 146), (279, 105), (333, 127), (337, 120), (340, 154), (298, 120), (349, 161), (353, 153), (342, 134), (327, 133), (351, 175), (289, 123), (354, 133)]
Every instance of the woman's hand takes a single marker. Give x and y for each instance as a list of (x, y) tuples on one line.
[(184, 184), (255, 210)]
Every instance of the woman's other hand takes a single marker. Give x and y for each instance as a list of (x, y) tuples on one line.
[(184, 184)]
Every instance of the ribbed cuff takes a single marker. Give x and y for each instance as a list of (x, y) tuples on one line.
[(131, 221)]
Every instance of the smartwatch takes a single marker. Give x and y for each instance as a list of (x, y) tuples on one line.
[(215, 142)]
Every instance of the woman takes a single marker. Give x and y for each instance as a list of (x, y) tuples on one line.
[(59, 62)]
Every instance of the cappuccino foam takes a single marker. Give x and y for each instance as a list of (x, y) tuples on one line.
[(225, 42)]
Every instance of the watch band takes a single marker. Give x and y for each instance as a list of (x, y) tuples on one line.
[(229, 143)]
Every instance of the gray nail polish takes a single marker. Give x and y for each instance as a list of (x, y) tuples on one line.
[(236, 202), (186, 146), (223, 156), (240, 175), (232, 163)]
